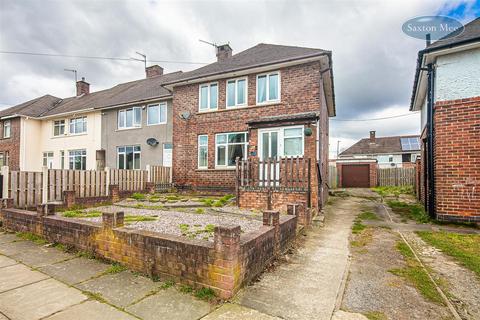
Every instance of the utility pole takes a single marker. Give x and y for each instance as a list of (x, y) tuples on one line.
[(338, 148)]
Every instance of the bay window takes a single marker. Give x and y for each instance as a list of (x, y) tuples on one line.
[(77, 159), (236, 92), (128, 157), (130, 118), (268, 87), (157, 113), (228, 147), (78, 125), (203, 151), (208, 94)]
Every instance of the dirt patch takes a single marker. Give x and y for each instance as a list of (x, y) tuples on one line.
[(373, 289), (462, 285)]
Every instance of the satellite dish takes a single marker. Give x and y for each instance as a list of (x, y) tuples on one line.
[(185, 115), (152, 142)]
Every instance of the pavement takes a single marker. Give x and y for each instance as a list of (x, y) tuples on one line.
[(41, 282)]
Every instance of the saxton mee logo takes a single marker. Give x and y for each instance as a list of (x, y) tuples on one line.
[(437, 26)]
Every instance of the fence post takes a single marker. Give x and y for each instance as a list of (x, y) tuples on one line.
[(107, 181), (149, 172), (237, 190), (6, 183), (44, 185)]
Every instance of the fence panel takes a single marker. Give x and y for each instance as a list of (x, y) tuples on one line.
[(86, 183), (396, 177), (332, 177), (25, 188), (129, 180)]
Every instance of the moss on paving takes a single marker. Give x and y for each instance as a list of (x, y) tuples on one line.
[(395, 191), (416, 275), (465, 248), (375, 315), (129, 219), (413, 211), (31, 237)]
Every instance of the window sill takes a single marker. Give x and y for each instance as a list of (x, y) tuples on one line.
[(128, 129), (73, 135), (240, 108), (154, 124)]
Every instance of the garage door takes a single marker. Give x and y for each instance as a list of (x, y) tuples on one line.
[(356, 176)]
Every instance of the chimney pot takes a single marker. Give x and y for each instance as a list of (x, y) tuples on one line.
[(224, 52), (372, 136), (153, 71), (83, 87)]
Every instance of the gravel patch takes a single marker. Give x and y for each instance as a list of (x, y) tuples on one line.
[(169, 221)]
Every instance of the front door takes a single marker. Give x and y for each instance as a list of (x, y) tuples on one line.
[(269, 143)]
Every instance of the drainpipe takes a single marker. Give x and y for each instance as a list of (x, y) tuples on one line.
[(430, 139)]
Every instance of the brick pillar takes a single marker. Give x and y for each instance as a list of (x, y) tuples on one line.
[(114, 193), (272, 218), (7, 203), (112, 220), (150, 187), (69, 198), (41, 210), (227, 260)]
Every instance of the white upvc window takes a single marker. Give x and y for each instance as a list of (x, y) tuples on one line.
[(48, 159), (208, 96), (7, 129), (78, 125), (293, 142), (236, 92), (58, 128), (128, 157), (130, 118), (268, 87), (77, 159), (203, 151), (229, 146), (62, 159), (157, 113)]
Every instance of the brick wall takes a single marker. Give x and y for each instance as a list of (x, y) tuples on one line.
[(225, 265), (457, 159), (300, 92), (258, 199), (373, 172), (12, 144)]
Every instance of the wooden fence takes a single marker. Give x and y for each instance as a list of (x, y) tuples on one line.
[(396, 177), (332, 177), (290, 173), (28, 189), (161, 176)]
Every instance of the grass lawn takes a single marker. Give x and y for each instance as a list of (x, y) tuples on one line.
[(393, 190), (410, 211), (465, 248)]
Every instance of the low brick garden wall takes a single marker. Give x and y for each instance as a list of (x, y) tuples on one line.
[(225, 265), (259, 198)]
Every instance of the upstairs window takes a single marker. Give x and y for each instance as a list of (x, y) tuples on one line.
[(58, 127), (78, 125), (268, 87), (7, 130), (208, 94), (130, 118), (236, 92), (157, 114)]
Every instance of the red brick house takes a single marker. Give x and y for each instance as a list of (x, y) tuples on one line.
[(267, 102), (447, 92)]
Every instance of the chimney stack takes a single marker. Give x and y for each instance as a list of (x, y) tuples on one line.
[(154, 71), (224, 52), (83, 87), (372, 136)]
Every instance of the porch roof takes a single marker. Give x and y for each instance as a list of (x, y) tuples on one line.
[(296, 117)]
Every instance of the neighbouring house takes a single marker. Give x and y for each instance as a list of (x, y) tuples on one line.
[(267, 102), (446, 91), (390, 152)]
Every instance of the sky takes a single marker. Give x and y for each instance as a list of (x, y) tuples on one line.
[(373, 61)]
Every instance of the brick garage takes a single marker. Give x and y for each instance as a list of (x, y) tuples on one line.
[(232, 260), (457, 159), (12, 144), (372, 170)]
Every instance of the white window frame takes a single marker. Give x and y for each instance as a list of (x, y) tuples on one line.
[(208, 85), (268, 100), (75, 119), (70, 156), (226, 144), (302, 136), (125, 156), (7, 124), (54, 124), (198, 151), (135, 125), (4, 156), (48, 157), (159, 105), (62, 159), (281, 140), (245, 103)]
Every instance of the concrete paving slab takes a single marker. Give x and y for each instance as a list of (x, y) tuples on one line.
[(91, 310), (75, 270), (236, 312), (5, 261), (8, 237), (170, 304), (39, 256), (13, 248), (18, 275), (39, 300), (120, 289)]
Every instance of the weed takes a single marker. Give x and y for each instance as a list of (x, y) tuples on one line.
[(94, 296), (200, 210), (167, 284), (31, 237), (358, 227), (184, 228), (115, 268), (81, 214), (154, 199), (375, 315), (173, 197), (138, 196), (128, 219), (186, 289), (85, 254), (210, 228), (393, 190), (367, 215), (411, 211), (208, 202), (206, 294)]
